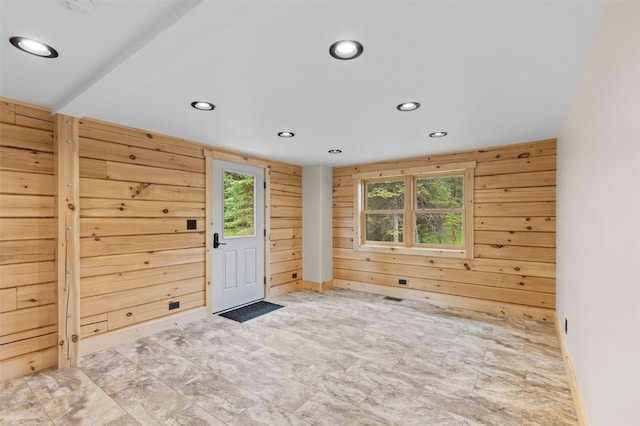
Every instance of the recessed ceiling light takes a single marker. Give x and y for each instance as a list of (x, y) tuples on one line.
[(203, 105), (335, 151), (408, 106), (34, 47), (437, 134), (286, 134), (346, 49)]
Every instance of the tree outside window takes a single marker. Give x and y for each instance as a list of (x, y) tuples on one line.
[(384, 216), (426, 210)]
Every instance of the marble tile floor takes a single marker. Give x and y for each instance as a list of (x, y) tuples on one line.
[(336, 358)]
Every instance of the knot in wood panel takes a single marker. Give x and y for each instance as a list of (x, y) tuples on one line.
[(71, 207)]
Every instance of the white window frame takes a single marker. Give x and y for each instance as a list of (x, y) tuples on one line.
[(408, 245)]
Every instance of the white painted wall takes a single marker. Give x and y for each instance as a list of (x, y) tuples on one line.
[(598, 221), (317, 242)]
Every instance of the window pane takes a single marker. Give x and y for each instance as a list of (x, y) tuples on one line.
[(439, 228), (440, 193), (238, 204), (385, 195), (384, 227)]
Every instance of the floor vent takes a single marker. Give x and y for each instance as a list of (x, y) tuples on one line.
[(393, 299)]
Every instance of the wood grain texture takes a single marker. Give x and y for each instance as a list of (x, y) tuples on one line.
[(8, 299), (22, 206), (137, 190), (15, 275), (100, 130), (120, 263), (513, 227), (28, 229), (27, 240), (68, 239), (29, 296), (21, 183), (98, 227), (110, 283), (101, 150), (119, 190), (27, 319), (24, 160), (25, 364), (138, 296), (104, 246), (107, 208), (26, 138)]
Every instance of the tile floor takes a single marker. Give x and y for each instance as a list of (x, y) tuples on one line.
[(337, 358)]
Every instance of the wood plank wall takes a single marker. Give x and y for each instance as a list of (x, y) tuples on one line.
[(285, 236), (513, 270), (137, 189), (28, 313)]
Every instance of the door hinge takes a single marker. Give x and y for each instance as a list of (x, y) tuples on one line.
[(265, 184), (264, 280), (265, 232)]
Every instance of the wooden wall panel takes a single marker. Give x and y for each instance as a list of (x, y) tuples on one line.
[(285, 236), (27, 240), (514, 234), (137, 190)]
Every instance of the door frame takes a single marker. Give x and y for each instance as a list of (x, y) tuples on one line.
[(209, 156)]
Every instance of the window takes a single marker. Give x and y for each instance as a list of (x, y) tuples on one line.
[(384, 211), (423, 211), (238, 204)]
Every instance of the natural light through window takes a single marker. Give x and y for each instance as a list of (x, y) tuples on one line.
[(422, 211)]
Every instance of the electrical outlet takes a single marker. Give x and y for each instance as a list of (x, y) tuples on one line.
[(192, 224), (566, 326), (402, 282), (174, 305), (294, 275)]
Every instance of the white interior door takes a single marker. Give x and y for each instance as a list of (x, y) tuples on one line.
[(238, 242)]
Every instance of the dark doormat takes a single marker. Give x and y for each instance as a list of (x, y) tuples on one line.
[(251, 311)]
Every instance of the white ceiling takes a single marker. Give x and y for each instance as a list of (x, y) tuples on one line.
[(487, 72)]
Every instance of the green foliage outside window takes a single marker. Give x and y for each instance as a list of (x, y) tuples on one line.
[(238, 204), (383, 198), (385, 195), (385, 227), (437, 222), (440, 193), (438, 215)]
